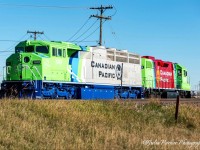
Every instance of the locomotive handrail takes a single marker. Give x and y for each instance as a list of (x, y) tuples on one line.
[(72, 73), (3, 72), (30, 70), (7, 68), (37, 71)]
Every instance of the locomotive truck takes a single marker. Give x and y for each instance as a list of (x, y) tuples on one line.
[(55, 69)]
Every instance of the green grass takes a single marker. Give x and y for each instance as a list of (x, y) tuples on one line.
[(29, 124)]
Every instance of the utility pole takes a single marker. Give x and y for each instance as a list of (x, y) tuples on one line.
[(198, 89), (199, 85), (35, 33), (101, 17)]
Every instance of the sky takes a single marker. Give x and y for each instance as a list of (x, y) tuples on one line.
[(166, 29)]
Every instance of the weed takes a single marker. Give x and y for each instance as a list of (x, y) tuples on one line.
[(26, 124)]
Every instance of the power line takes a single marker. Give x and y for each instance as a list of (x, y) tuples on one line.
[(114, 12), (47, 37), (114, 34), (86, 30), (45, 6), (91, 33), (78, 30), (5, 51), (16, 42), (39, 36), (81, 41), (8, 41)]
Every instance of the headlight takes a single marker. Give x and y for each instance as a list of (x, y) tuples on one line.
[(26, 59)]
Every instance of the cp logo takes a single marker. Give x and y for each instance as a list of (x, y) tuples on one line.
[(118, 72)]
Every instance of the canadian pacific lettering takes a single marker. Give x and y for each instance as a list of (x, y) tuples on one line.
[(107, 74), (102, 65), (165, 73)]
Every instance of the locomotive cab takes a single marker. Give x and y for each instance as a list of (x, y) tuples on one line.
[(182, 81), (26, 62), (36, 64)]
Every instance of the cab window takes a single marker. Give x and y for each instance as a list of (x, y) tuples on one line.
[(19, 49), (179, 72), (59, 52), (29, 49), (54, 51), (42, 49), (185, 73), (149, 64), (64, 53)]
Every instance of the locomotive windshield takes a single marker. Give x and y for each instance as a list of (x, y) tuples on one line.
[(19, 49), (29, 49), (179, 72), (42, 49)]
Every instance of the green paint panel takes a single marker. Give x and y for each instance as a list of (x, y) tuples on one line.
[(34, 60), (181, 78), (148, 75)]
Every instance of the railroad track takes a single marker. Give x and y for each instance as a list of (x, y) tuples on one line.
[(192, 101), (195, 101)]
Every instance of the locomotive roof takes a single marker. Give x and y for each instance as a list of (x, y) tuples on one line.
[(69, 45), (53, 43)]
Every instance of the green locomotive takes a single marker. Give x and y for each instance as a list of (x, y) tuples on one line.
[(165, 79), (43, 69), (54, 69)]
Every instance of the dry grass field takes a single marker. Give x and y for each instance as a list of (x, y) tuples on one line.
[(59, 124)]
